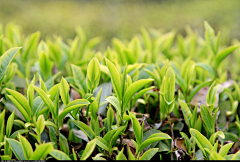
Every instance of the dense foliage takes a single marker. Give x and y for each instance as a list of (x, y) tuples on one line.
[(162, 96)]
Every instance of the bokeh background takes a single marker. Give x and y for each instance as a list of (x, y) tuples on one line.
[(120, 18)]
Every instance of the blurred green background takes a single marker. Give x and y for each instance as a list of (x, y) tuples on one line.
[(118, 18)]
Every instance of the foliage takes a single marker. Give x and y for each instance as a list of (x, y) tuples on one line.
[(153, 97)]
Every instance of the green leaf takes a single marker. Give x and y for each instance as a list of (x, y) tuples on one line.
[(110, 116), (102, 143), (93, 70), (45, 99), (109, 135), (26, 146), (93, 42), (38, 105), (20, 131), (64, 91), (99, 158), (50, 82), (2, 130), (206, 67), (121, 156), (5, 157), (40, 125), (193, 120), (198, 124), (10, 72), (215, 135), (216, 156), (180, 81), (124, 75), (85, 128), (21, 100), (116, 134), (133, 88), (93, 108), (136, 128), (114, 101), (190, 73), (42, 151), (16, 148), (53, 91), (88, 149), (146, 39), (115, 78), (210, 36), (29, 44), (79, 77), (59, 155), (215, 147), (186, 112), (149, 154), (207, 118), (30, 92), (63, 144), (53, 136), (236, 156), (74, 154), (56, 108), (140, 93), (9, 124), (217, 42), (201, 140), (153, 138), (224, 53), (19, 107), (224, 149), (5, 60), (169, 88), (233, 108), (45, 65), (94, 124), (42, 84), (154, 76), (7, 148), (71, 106), (105, 70)]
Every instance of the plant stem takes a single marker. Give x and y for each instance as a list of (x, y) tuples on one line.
[(172, 134), (193, 148), (171, 128)]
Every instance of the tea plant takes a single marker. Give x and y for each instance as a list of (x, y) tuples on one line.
[(156, 96)]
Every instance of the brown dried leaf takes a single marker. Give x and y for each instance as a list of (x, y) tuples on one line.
[(180, 144), (75, 94), (65, 130), (200, 97), (125, 141)]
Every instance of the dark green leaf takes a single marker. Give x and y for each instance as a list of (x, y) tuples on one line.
[(16, 148)]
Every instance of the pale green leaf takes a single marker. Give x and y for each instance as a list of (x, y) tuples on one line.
[(88, 149), (149, 154), (59, 155), (42, 151), (5, 60)]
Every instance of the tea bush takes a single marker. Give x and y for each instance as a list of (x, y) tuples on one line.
[(161, 96)]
